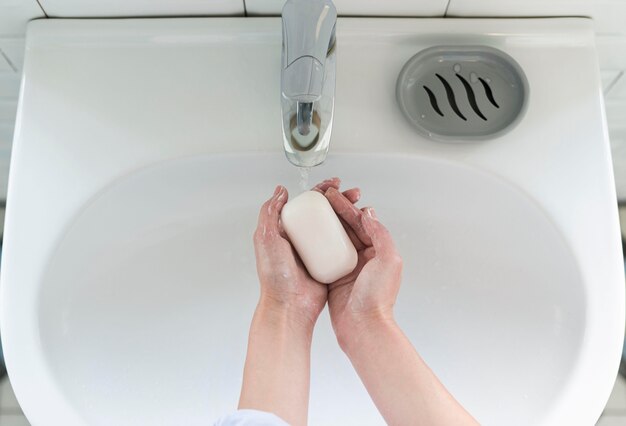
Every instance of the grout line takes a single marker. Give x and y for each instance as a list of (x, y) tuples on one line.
[(6, 58), (445, 12), (245, 8), (42, 9), (613, 83)]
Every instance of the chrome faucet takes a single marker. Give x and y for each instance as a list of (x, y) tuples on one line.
[(308, 79)]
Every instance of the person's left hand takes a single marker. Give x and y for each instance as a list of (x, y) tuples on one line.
[(368, 294), (285, 282)]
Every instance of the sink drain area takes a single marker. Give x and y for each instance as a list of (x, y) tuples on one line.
[(462, 93)]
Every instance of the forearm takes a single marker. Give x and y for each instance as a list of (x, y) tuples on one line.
[(276, 373), (400, 383)]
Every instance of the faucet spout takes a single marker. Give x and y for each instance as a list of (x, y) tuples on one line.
[(304, 117), (308, 79)]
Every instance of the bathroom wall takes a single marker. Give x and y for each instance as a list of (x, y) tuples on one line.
[(609, 15), (115, 8)]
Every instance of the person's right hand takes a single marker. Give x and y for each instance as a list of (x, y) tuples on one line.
[(285, 282), (369, 293)]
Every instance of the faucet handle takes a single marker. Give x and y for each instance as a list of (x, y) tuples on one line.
[(308, 36)]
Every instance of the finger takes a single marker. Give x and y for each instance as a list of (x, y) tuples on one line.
[(369, 253), (353, 195), (281, 230), (269, 215), (323, 186), (278, 202), (364, 257), (358, 244), (349, 213), (381, 238)]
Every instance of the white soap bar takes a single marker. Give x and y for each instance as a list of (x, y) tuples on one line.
[(319, 238)]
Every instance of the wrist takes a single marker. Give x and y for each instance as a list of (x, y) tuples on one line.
[(284, 314), (357, 329)]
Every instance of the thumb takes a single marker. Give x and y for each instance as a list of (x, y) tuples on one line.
[(381, 238)]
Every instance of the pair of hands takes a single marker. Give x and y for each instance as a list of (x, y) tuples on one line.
[(276, 375), (367, 294)]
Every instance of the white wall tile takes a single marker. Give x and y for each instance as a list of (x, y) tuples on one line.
[(4, 184), (9, 86), (616, 118), (14, 14), (520, 8), (610, 16), (618, 91), (5, 161), (6, 142), (618, 151), (13, 49), (8, 403), (361, 7), (6, 132), (5, 66), (611, 51), (609, 79), (13, 420), (617, 401), (117, 8), (8, 109), (612, 421)]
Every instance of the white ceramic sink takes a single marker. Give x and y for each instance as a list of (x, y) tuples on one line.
[(141, 159)]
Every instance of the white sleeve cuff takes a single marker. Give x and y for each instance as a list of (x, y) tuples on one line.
[(250, 418)]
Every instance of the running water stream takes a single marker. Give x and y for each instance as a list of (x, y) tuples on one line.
[(304, 178)]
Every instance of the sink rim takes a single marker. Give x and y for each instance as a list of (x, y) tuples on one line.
[(35, 187)]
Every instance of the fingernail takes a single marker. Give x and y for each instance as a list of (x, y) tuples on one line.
[(278, 190), (282, 193), (333, 180), (371, 213)]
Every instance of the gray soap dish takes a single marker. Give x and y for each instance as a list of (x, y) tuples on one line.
[(462, 93)]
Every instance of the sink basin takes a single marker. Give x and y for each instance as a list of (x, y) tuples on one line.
[(158, 272), (128, 278)]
